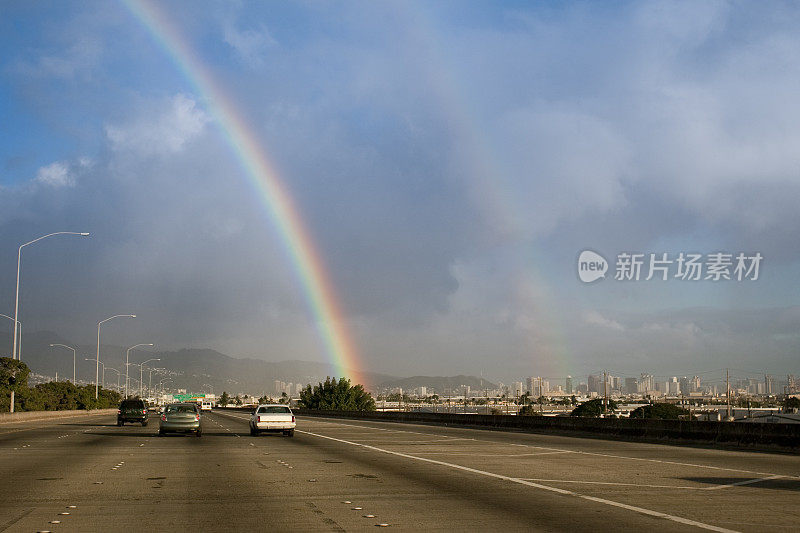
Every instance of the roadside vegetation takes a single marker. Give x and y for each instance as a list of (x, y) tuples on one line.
[(336, 395), (594, 408), (52, 396), (661, 411)]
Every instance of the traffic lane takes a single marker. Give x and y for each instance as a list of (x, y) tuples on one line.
[(409, 494), (44, 477), (36, 449), (219, 482), (658, 467), (663, 488), (106, 489), (12, 432), (742, 461)]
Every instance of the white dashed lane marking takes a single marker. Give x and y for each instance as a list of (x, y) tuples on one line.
[(520, 481)]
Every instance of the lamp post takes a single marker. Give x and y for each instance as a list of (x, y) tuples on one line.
[(19, 263), (118, 376), (134, 379), (141, 368), (73, 358), (104, 375), (11, 318), (161, 384), (97, 366), (150, 382), (127, 356)]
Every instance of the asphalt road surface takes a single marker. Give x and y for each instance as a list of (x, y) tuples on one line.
[(341, 475)]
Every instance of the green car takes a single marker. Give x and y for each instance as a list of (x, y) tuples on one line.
[(132, 410), (180, 418)]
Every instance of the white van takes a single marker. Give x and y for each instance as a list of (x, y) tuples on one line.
[(206, 405)]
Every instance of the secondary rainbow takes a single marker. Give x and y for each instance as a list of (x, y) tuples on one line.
[(308, 265)]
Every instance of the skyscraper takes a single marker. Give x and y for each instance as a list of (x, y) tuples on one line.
[(595, 384)]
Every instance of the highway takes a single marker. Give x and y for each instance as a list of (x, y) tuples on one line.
[(342, 475)]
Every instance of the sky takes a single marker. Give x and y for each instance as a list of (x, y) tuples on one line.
[(448, 162)]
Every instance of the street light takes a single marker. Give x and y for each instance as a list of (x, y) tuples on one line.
[(127, 356), (104, 375), (97, 366), (118, 376), (73, 359), (141, 368), (11, 318), (150, 381), (161, 384), (16, 299), (134, 379)]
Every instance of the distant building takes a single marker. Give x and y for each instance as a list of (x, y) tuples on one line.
[(769, 385), (568, 385), (595, 384), (544, 387), (631, 385), (529, 385), (647, 383)]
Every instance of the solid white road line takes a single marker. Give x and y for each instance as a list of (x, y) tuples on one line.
[(614, 483), (603, 501), (745, 482), (596, 454)]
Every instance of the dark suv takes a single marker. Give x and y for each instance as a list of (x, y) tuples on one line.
[(132, 411)]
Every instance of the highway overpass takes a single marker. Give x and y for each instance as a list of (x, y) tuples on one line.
[(345, 475)]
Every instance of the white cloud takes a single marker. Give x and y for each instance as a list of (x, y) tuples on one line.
[(56, 174), (250, 45), (596, 319), (160, 131), (67, 63)]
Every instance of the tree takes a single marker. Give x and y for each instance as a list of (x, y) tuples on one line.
[(337, 395), (284, 398), (224, 400), (237, 400), (663, 411), (593, 408), (791, 404), (13, 377), (528, 410)]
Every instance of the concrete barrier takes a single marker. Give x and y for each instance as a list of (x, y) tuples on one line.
[(31, 416), (754, 436)]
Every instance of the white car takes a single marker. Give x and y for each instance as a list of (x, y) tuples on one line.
[(272, 417)]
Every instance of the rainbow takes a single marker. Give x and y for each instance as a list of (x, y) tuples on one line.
[(498, 202), (308, 265)]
